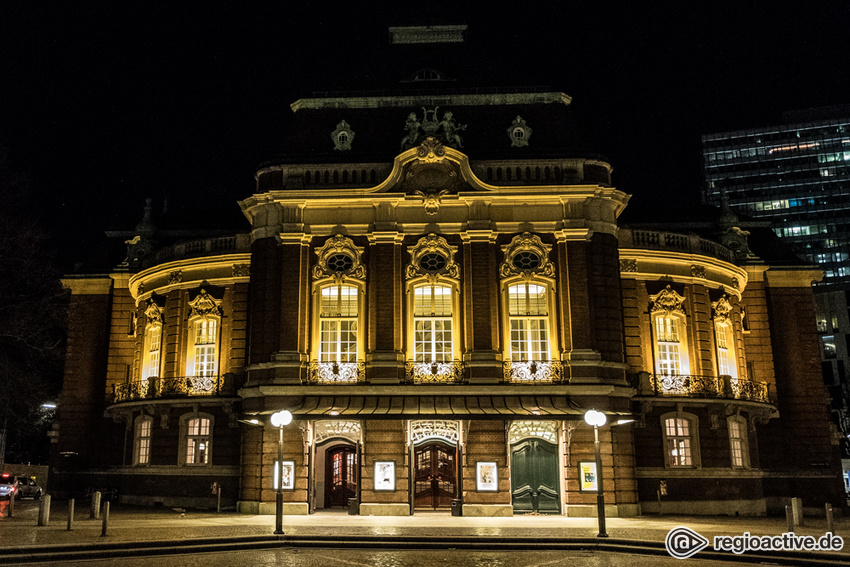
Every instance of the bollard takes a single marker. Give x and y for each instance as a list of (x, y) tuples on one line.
[(105, 518), (95, 505), (789, 519), (218, 504), (70, 514), (44, 510), (12, 505), (830, 520), (797, 510)]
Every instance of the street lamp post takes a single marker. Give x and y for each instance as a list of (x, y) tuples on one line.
[(280, 419), (596, 419)]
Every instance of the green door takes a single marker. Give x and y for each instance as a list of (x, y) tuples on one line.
[(534, 476)]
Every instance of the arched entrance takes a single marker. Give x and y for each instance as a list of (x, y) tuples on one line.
[(534, 467), (435, 460), (336, 462)]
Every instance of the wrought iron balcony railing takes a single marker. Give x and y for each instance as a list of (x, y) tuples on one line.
[(336, 372), (534, 371), (448, 372), (184, 386), (726, 387)]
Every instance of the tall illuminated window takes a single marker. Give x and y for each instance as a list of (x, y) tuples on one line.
[(668, 346), (338, 324), (197, 441), (725, 338), (738, 446), (432, 323), (153, 341), (528, 311), (206, 335)]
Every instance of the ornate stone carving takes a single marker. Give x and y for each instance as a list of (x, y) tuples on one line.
[(204, 305), (431, 200), (342, 136), (667, 301), (697, 271), (431, 151), (429, 429), (735, 283), (519, 133), (628, 265), (241, 270), (339, 258), (141, 288), (445, 130), (153, 312), (526, 255), (722, 309), (175, 277), (424, 250), (333, 429), (520, 430)]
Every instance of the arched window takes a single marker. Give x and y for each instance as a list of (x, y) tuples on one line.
[(196, 435), (681, 443), (432, 323), (338, 324), (528, 312), (142, 440)]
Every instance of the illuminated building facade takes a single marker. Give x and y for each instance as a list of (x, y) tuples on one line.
[(435, 284), (797, 176)]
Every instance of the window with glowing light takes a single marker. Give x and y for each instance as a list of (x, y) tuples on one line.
[(680, 445), (738, 446), (338, 312), (528, 313), (197, 439), (726, 360), (206, 337), (432, 323), (670, 347), (142, 440), (153, 344)]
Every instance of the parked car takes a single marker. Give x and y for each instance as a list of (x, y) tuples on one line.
[(28, 488), (8, 485)]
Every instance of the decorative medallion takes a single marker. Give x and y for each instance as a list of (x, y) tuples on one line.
[(697, 271), (342, 136), (204, 305), (431, 151), (735, 283), (519, 133), (153, 312), (432, 256), (628, 265), (339, 258), (175, 277), (241, 270), (668, 301), (722, 309), (526, 255), (445, 130)]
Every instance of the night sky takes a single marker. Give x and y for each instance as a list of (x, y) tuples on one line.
[(104, 104)]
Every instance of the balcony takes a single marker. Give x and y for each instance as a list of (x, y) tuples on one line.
[(693, 386), (182, 387), (687, 243), (534, 372), (336, 372), (449, 372)]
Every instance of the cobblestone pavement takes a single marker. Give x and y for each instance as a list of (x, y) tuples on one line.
[(129, 524)]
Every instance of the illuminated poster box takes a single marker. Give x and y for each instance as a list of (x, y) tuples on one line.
[(587, 476)]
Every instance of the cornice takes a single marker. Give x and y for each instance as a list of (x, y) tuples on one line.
[(792, 277), (193, 272)]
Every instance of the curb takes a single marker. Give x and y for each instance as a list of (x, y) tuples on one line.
[(65, 552)]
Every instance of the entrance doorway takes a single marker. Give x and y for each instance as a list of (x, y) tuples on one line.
[(436, 475), (534, 476), (340, 475)]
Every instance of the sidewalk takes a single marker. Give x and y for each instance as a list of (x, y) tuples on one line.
[(134, 524)]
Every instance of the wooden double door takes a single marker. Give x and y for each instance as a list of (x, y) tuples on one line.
[(534, 476), (340, 475), (435, 476)]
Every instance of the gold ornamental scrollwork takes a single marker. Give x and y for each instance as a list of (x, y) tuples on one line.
[(339, 258), (204, 305), (526, 255), (153, 312), (432, 244), (722, 309), (667, 301)]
